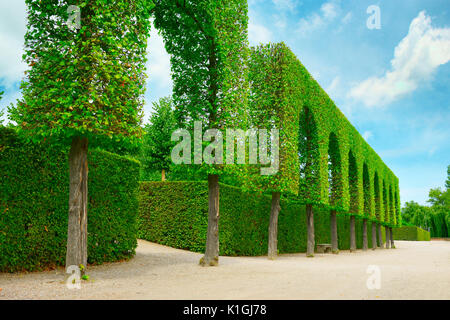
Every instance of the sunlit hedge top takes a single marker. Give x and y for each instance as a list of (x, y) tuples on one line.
[(89, 81)]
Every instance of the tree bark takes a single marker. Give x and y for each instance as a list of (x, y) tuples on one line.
[(310, 224), (163, 175), (333, 230), (380, 237), (211, 257), (352, 234), (273, 225), (76, 253), (365, 241), (392, 238), (388, 236), (374, 235)]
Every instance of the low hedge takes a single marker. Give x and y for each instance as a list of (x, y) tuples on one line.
[(34, 193), (412, 233), (176, 214)]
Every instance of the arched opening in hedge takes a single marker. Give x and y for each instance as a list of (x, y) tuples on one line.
[(366, 189), (391, 206), (376, 186), (385, 203), (334, 170), (353, 183), (309, 182), (308, 153)]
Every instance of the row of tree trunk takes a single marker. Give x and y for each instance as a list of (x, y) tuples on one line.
[(211, 257)]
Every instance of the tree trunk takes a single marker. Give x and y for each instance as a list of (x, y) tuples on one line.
[(374, 235), (392, 238), (365, 242), (273, 225), (163, 175), (310, 224), (388, 236), (211, 257), (352, 234), (380, 237), (77, 226), (334, 235)]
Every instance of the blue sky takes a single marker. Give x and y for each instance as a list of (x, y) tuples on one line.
[(392, 83)]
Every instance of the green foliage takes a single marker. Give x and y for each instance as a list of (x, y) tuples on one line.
[(85, 82), (273, 104), (34, 205), (411, 233), (207, 41), (176, 214), (157, 144), (436, 217)]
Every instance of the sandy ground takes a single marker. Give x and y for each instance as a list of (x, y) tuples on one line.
[(414, 270)]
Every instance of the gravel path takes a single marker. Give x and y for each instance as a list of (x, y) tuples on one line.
[(415, 270)]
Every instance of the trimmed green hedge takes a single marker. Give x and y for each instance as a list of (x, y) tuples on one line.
[(34, 192), (412, 233), (176, 214)]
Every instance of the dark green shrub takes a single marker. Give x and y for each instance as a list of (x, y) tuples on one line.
[(176, 214), (412, 233), (34, 205)]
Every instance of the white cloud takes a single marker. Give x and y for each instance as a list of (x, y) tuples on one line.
[(257, 34), (158, 64), (367, 135), (285, 4), (328, 12), (12, 31), (416, 58), (347, 18), (331, 89)]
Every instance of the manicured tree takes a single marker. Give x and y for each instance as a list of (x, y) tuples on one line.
[(274, 102), (83, 83), (207, 41), (157, 144)]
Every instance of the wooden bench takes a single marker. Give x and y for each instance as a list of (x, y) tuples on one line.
[(323, 248)]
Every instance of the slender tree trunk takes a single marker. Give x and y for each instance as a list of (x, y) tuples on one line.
[(310, 224), (374, 235), (365, 241), (211, 257), (392, 238), (273, 225), (333, 230), (163, 175), (352, 234), (380, 237), (388, 236), (76, 253)]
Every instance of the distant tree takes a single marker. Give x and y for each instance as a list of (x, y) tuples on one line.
[(157, 144), (1, 111), (447, 182)]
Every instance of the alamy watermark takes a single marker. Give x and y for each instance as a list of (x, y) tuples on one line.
[(263, 147), (374, 280), (374, 21)]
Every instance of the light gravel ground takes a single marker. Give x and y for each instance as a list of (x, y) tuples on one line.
[(414, 270)]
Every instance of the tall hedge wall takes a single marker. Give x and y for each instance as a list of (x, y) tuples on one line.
[(176, 214), (34, 190), (412, 233)]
